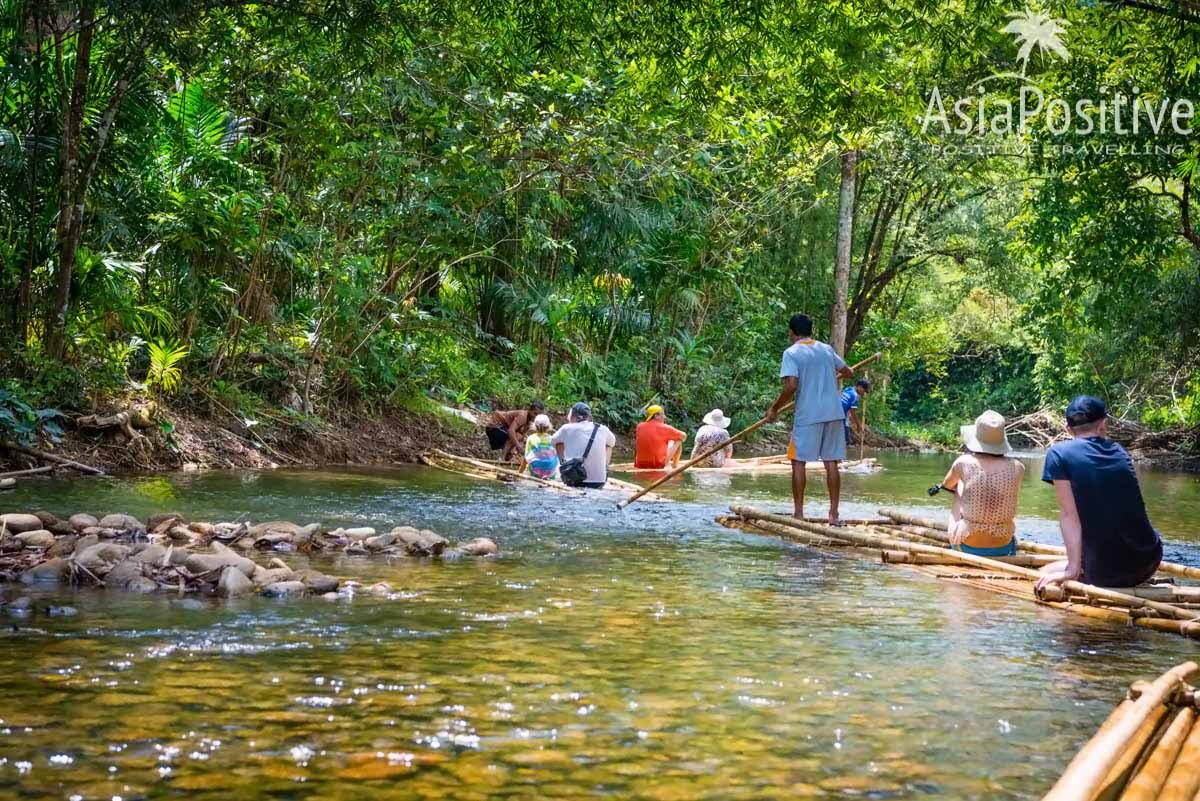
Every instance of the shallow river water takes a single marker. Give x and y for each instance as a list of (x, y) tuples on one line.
[(640, 654)]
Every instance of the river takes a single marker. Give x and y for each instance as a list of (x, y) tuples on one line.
[(640, 654)]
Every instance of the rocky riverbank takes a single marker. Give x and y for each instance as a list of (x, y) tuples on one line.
[(170, 554)]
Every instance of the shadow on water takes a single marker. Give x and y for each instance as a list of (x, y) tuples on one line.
[(647, 653)]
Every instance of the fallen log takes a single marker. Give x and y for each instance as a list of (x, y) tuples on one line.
[(50, 457), (33, 471)]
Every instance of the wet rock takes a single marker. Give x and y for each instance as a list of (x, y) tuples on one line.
[(181, 534), (17, 522), (85, 541), (356, 534), (122, 523), (36, 539), (103, 533), (122, 574), (164, 521), (272, 539), (81, 521), (203, 529), (233, 583), (420, 543), (331, 596), (142, 585), (453, 555), (213, 562), (318, 583), (62, 611), (380, 590), (20, 607), (63, 546), (276, 562), (52, 571), (480, 546), (152, 554), (264, 576), (191, 604), (379, 542), (52, 524), (283, 589), (97, 558)]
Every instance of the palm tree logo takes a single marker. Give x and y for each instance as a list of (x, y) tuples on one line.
[(1036, 29)]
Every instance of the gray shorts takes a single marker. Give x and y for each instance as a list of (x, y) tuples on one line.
[(818, 442)]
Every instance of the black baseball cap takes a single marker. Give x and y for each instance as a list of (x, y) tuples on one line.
[(581, 409), (1085, 409)]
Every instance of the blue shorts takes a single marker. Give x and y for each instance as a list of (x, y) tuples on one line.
[(1004, 550), (818, 442)]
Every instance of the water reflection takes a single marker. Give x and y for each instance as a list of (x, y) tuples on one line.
[(646, 654)]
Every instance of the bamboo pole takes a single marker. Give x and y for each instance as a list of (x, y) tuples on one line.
[(1130, 759), (1088, 770), (1170, 568), (735, 438), (783, 532), (1183, 782), (504, 472), (862, 428), (951, 558), (1101, 594), (1149, 780)]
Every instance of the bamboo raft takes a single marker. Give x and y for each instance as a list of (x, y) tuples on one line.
[(496, 471), (922, 545), (761, 464), (1148, 748)]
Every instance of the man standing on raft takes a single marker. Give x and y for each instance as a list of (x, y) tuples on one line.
[(811, 373)]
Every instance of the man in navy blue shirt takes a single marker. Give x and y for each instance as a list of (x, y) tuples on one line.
[(1105, 529)]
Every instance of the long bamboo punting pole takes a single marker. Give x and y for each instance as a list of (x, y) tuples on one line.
[(504, 472), (1183, 782), (1100, 594), (721, 446), (1150, 778), (1131, 757), (1087, 771), (1170, 568)]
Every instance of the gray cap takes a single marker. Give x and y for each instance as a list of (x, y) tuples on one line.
[(581, 409)]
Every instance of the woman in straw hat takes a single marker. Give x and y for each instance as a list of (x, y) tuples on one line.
[(986, 481), (710, 435)]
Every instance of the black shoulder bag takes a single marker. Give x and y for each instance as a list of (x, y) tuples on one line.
[(572, 471)]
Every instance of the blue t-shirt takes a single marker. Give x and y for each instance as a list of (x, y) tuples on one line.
[(849, 401), (814, 365), (1120, 547)]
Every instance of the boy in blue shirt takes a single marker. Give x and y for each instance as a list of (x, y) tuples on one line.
[(850, 398), (1107, 534)]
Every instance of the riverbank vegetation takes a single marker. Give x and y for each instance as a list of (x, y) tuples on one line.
[(291, 214)]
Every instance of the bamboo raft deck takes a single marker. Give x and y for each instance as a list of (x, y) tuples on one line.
[(1148, 748), (760, 464), (496, 471), (922, 546)]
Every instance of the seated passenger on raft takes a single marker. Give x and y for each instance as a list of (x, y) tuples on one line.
[(582, 438), (656, 443), (1102, 515), (714, 431), (540, 453), (987, 485)]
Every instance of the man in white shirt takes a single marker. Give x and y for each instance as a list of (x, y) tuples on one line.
[(572, 440)]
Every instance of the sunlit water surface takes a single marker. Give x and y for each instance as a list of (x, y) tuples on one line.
[(639, 654)]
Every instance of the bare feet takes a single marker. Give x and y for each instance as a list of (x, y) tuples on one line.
[(835, 520)]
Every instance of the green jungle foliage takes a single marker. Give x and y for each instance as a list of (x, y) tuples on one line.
[(345, 206)]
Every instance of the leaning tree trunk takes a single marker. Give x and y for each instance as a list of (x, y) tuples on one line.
[(845, 239)]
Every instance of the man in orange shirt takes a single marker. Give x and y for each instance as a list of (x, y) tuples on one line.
[(657, 442)]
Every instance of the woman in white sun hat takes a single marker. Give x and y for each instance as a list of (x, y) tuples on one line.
[(986, 481), (710, 435)]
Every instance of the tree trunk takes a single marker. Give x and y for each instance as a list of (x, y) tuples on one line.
[(845, 239)]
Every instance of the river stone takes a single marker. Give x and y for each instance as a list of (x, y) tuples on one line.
[(51, 523), (81, 521), (142, 585), (52, 571), (317, 582), (122, 522), (264, 575), (379, 542), (122, 574), (152, 554), (212, 562), (380, 590), (204, 529), (164, 521), (98, 557), (86, 541), (18, 522), (420, 543), (356, 534), (181, 534), (271, 539), (63, 546), (282, 589), (233, 583), (36, 539), (480, 546), (101, 532), (20, 606)]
